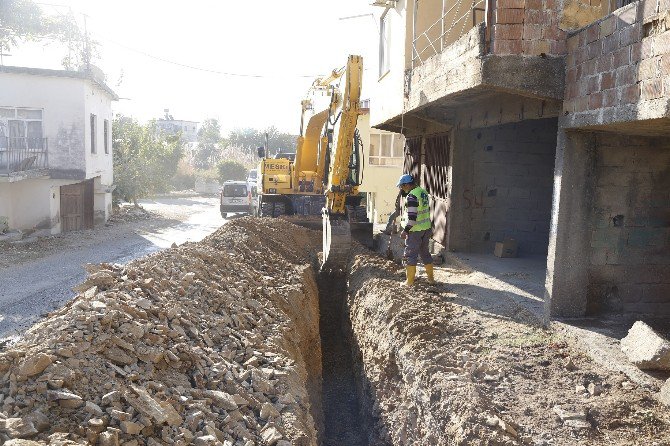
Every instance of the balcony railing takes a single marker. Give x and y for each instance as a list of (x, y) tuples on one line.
[(22, 154), (455, 21)]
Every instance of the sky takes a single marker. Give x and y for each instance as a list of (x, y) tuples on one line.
[(286, 44)]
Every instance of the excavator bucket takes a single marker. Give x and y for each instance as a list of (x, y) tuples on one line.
[(338, 234), (336, 242), (362, 233)]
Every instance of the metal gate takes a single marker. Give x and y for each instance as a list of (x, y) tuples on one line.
[(76, 206)]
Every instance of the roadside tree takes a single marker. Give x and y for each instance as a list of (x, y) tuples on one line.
[(230, 170), (145, 161), (208, 151)]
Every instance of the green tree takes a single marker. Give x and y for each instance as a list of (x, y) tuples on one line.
[(249, 139), (23, 21), (208, 150), (145, 160), (230, 170)]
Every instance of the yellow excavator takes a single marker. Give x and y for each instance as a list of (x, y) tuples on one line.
[(322, 176)]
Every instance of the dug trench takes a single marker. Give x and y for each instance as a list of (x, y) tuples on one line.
[(238, 341)]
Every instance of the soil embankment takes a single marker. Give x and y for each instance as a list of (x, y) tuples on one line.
[(438, 373), (214, 342)]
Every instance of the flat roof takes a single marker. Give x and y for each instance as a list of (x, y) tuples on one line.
[(60, 73)]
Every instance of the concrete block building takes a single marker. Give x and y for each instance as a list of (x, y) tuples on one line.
[(56, 169), (545, 121)]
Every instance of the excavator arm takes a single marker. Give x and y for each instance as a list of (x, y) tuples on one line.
[(342, 216)]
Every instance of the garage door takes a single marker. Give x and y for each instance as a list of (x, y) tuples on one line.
[(76, 206)]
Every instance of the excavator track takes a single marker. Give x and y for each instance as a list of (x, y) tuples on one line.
[(336, 242)]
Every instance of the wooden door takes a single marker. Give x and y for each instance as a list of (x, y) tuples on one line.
[(76, 206)]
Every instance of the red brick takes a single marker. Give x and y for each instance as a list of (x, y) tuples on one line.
[(626, 76), (607, 81), (570, 60), (621, 57), (507, 47), (509, 16), (611, 43), (592, 33), (589, 68), (569, 106), (609, 98), (532, 32), (535, 47), (573, 43), (571, 75), (553, 33), (629, 94), (631, 34), (538, 17), (595, 101), (651, 89), (519, 4), (558, 47), (508, 32), (595, 49), (571, 91), (581, 56), (607, 26), (534, 4), (593, 85), (604, 63), (582, 104), (636, 52)]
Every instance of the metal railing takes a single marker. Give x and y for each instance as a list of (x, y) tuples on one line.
[(22, 154), (448, 28)]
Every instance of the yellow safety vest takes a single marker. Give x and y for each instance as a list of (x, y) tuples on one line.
[(423, 211)]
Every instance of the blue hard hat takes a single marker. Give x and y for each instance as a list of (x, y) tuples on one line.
[(405, 179)]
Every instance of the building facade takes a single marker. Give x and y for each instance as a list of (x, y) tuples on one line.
[(544, 121), (56, 168), (383, 152), (187, 129)]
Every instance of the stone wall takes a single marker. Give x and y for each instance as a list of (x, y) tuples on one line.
[(630, 241), (503, 178), (618, 68)]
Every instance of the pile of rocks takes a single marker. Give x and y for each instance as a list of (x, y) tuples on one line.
[(209, 343)]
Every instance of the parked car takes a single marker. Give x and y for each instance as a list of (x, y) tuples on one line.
[(235, 198)]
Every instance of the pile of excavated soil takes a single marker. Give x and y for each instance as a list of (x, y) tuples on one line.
[(214, 342), (437, 373)]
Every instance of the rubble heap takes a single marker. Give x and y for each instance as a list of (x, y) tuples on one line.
[(214, 342)]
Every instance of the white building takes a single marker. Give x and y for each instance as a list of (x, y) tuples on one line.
[(188, 129), (56, 170)]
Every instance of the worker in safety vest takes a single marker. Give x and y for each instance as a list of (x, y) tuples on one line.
[(417, 228)]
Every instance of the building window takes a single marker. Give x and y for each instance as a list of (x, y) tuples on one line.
[(106, 136), (386, 149), (94, 128), (21, 128), (384, 44)]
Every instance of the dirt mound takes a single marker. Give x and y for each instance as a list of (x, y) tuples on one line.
[(214, 342), (435, 372)]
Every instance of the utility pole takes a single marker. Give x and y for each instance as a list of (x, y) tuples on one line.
[(87, 47), (2, 55)]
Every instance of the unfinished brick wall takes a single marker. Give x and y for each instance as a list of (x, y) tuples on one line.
[(618, 68), (529, 27), (630, 241), (503, 182)]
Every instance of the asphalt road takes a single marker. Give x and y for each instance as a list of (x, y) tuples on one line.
[(30, 290)]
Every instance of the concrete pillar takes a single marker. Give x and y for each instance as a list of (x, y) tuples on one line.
[(569, 239), (460, 211)]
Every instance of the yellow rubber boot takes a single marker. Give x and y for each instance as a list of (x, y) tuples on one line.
[(429, 273), (410, 272)]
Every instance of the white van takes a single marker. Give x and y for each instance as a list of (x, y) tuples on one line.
[(235, 198)]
